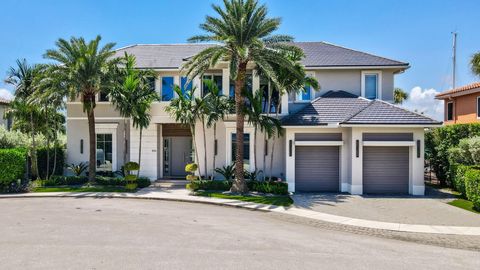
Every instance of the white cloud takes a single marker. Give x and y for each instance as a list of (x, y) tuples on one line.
[(5, 94), (423, 101)]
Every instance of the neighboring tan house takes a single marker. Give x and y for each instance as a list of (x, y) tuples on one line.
[(347, 137), (5, 122), (462, 104)]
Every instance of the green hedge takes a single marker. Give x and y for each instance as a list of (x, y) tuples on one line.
[(42, 161), (472, 187), (438, 143), (57, 180), (280, 188), (458, 180), (12, 170)]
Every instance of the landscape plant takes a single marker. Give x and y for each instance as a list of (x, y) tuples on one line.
[(78, 169), (12, 174)]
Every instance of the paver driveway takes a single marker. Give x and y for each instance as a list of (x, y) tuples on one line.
[(61, 233)]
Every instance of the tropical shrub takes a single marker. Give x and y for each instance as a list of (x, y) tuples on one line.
[(280, 188), (78, 169), (274, 187), (42, 161), (458, 181), (472, 187), (467, 151), (143, 182), (130, 178), (252, 176), (59, 180), (228, 171), (13, 169), (438, 143), (13, 139), (190, 169), (110, 181)]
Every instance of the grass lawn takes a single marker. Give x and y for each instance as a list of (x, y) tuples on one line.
[(274, 200), (81, 189), (464, 204)]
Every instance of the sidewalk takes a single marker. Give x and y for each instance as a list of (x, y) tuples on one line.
[(183, 196)]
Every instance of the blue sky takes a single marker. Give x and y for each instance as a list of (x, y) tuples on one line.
[(418, 32)]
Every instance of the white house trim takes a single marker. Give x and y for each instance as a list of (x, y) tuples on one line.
[(109, 128), (96, 118), (228, 146), (318, 143), (388, 143)]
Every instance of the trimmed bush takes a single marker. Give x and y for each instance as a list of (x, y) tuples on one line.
[(280, 188), (58, 180), (13, 169), (472, 187), (42, 161), (110, 181), (458, 180), (143, 182)]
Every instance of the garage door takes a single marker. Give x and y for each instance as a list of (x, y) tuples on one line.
[(317, 168), (385, 170)]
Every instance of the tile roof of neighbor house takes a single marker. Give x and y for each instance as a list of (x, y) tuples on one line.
[(4, 101), (340, 107), (459, 90), (317, 54)]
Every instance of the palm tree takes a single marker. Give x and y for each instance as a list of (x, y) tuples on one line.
[(133, 96), (242, 33), (399, 96), (216, 107), (256, 117), (23, 77), (184, 109), (475, 64), (201, 112), (86, 69)]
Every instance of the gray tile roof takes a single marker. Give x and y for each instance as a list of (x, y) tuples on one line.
[(339, 107), (317, 54)]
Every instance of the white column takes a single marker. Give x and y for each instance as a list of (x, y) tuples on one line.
[(255, 82), (284, 104), (226, 81), (417, 184), (290, 160), (158, 85), (148, 166), (356, 186), (196, 82)]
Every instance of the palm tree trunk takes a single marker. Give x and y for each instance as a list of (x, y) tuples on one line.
[(204, 148), (48, 157), (214, 154), (269, 103), (273, 143), (92, 159), (255, 149), (125, 141), (139, 152), (194, 145), (34, 149), (239, 185), (54, 153)]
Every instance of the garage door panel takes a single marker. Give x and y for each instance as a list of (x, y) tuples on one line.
[(317, 168), (385, 169)]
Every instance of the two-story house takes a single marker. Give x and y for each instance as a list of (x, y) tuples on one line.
[(462, 104), (347, 137)]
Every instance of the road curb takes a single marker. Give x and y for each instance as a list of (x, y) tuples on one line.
[(293, 211)]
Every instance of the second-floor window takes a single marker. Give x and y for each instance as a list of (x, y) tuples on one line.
[(371, 84), (103, 96), (185, 85), (217, 79), (167, 88), (449, 111), (305, 94)]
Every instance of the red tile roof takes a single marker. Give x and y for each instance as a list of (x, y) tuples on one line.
[(458, 91), (4, 101)]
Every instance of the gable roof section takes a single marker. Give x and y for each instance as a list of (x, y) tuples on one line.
[(460, 91), (317, 54), (339, 107)]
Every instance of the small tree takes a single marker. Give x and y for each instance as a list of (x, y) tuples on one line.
[(399, 96), (475, 64)]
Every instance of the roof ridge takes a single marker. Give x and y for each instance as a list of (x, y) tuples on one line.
[(359, 111), (398, 107), (355, 50), (466, 87)]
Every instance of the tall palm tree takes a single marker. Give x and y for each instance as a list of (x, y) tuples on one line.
[(475, 64), (256, 117), (399, 96), (183, 109), (201, 112), (86, 69), (217, 106), (133, 96), (242, 33), (23, 78)]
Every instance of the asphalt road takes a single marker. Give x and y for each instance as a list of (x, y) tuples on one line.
[(61, 233)]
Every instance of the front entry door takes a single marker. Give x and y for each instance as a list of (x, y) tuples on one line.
[(177, 154)]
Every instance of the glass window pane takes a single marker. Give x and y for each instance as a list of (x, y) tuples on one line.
[(371, 86), (100, 137), (167, 88), (305, 94), (108, 137), (246, 147), (184, 86), (218, 80), (103, 96)]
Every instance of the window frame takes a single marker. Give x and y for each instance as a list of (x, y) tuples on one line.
[(378, 73), (212, 78), (161, 87), (108, 129), (447, 114), (228, 141)]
